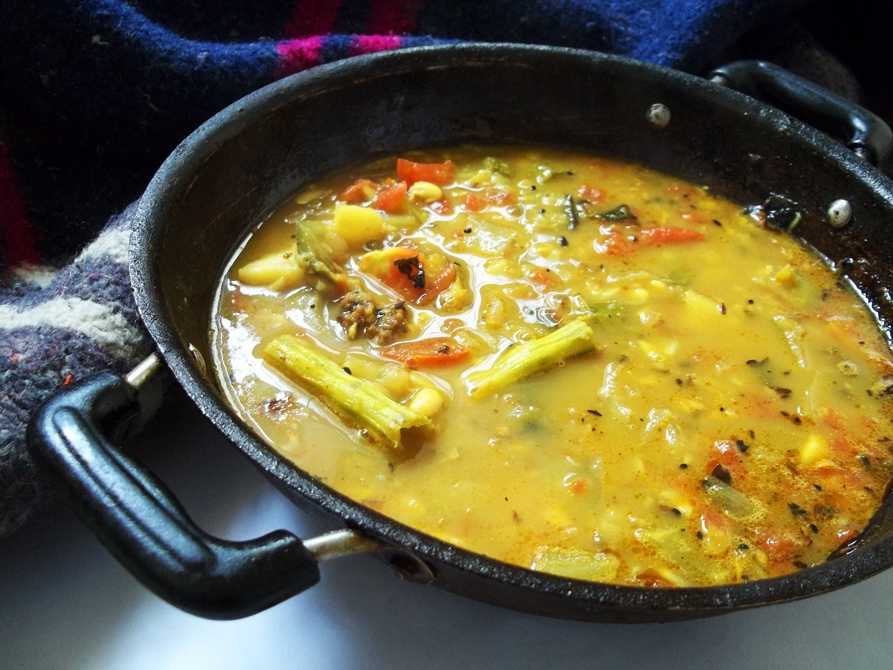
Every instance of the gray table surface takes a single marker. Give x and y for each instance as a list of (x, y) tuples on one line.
[(65, 603)]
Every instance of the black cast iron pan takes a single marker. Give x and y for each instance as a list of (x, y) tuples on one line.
[(242, 163)]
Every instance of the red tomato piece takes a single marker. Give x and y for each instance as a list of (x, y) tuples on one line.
[(440, 284), (401, 268), (578, 486), (391, 198), (667, 235), (360, 191), (694, 217), (711, 520), (407, 276), (501, 198), (544, 277), (617, 244), (590, 194), (475, 202), (778, 547), (726, 454), (437, 173), (436, 352)]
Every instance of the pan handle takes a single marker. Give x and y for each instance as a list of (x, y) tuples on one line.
[(862, 131), (140, 521)]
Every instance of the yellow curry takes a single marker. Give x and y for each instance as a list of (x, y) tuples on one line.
[(563, 362)]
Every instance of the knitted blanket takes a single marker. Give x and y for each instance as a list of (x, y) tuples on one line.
[(95, 93)]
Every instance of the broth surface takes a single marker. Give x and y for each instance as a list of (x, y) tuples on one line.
[(727, 420)]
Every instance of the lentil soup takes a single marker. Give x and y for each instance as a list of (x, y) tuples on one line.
[(563, 362)]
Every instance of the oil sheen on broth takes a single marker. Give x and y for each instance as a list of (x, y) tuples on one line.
[(562, 362)]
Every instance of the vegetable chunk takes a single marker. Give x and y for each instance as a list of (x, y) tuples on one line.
[(531, 357), (392, 198), (279, 271), (360, 400), (576, 563), (435, 173), (359, 225), (436, 352)]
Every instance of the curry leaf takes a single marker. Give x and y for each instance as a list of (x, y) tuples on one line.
[(620, 213)]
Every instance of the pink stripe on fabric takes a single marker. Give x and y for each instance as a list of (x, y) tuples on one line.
[(367, 44), (394, 17), (18, 238), (299, 54), (312, 17)]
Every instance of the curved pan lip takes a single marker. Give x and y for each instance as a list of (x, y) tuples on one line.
[(188, 158)]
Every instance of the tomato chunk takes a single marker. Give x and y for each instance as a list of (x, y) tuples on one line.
[(391, 198), (779, 547), (474, 202), (727, 454), (436, 352), (544, 277), (437, 173), (694, 217), (440, 284), (660, 236), (590, 194), (619, 244), (578, 486), (407, 271), (401, 268), (360, 191)]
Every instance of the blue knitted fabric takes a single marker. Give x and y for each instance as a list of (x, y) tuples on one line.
[(95, 93)]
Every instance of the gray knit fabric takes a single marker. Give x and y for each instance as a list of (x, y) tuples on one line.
[(58, 327)]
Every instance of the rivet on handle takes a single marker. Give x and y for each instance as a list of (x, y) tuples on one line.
[(840, 213), (659, 115)]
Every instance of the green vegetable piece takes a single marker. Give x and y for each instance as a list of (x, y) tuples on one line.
[(677, 549), (576, 563), (314, 253), (359, 400), (731, 501), (525, 359), (604, 311), (621, 213), (496, 165), (420, 214)]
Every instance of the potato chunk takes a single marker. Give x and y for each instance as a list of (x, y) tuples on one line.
[(358, 225), (279, 271)]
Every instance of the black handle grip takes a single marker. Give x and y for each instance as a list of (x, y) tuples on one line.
[(862, 131), (141, 522)]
